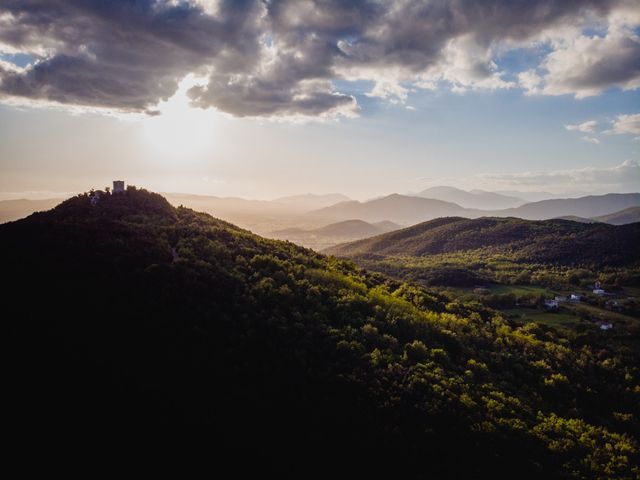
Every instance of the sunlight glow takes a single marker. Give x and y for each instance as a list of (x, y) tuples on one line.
[(179, 129)]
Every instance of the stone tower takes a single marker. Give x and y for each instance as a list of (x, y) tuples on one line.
[(118, 186)]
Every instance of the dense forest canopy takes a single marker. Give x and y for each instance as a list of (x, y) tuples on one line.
[(126, 310)]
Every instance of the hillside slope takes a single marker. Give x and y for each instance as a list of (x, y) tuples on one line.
[(628, 215), (350, 228), (133, 312), (550, 241), (585, 207)]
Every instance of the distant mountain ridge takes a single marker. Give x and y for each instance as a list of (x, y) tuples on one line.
[(586, 207), (11, 210), (472, 199), (397, 208), (538, 196), (292, 212), (411, 210)]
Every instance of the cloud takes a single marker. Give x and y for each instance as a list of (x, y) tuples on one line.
[(391, 90), (586, 127), (626, 124), (281, 58), (465, 67), (626, 174), (586, 65)]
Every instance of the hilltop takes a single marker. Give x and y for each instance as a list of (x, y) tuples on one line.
[(128, 311)]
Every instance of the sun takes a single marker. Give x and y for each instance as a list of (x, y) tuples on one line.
[(179, 129)]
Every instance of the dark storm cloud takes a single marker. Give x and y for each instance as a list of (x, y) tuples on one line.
[(121, 54), (265, 58)]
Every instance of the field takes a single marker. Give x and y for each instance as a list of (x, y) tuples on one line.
[(524, 304), (552, 319)]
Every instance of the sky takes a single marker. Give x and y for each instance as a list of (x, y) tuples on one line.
[(266, 98)]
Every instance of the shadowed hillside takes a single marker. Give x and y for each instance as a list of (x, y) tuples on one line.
[(127, 311), (550, 241)]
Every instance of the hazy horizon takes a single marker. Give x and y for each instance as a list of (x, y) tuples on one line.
[(527, 196)]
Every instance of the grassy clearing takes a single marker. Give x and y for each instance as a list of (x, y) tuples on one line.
[(555, 319), (585, 310), (520, 290)]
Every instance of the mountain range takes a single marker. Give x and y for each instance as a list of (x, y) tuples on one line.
[(14, 209), (300, 212), (590, 206), (396, 208), (472, 199), (411, 210), (125, 311)]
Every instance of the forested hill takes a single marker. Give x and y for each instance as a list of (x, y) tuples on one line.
[(131, 312), (560, 242)]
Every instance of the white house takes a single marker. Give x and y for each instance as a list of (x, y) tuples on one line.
[(606, 326), (575, 297), (551, 304), (599, 291)]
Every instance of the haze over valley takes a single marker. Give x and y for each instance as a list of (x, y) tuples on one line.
[(321, 221)]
